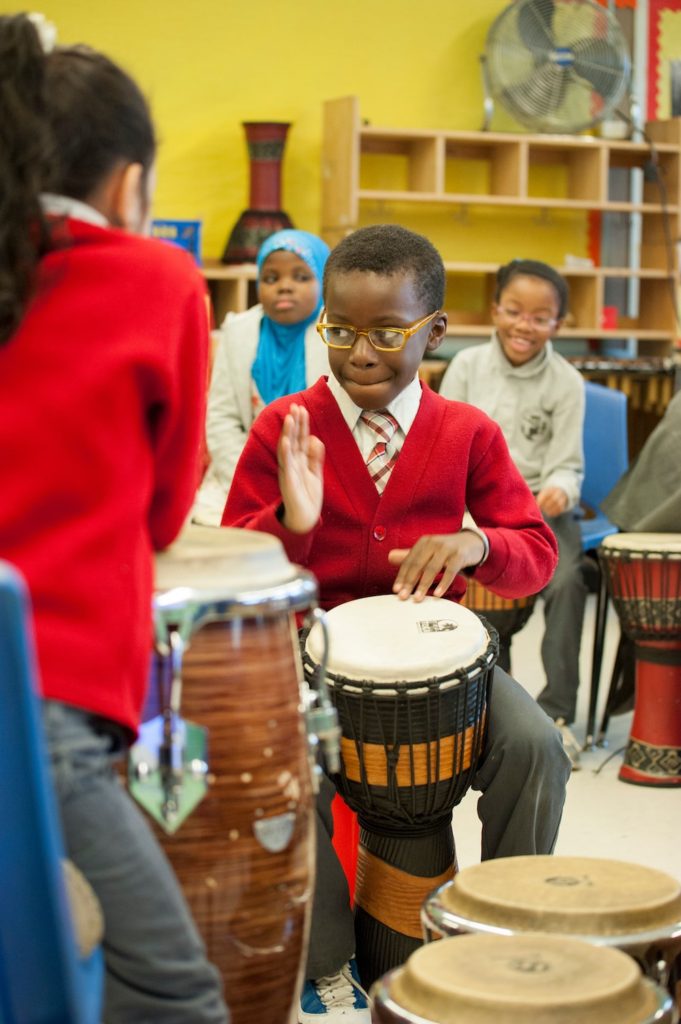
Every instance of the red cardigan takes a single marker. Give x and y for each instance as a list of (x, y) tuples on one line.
[(101, 418), (453, 456)]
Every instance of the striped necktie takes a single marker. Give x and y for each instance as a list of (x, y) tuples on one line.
[(379, 461)]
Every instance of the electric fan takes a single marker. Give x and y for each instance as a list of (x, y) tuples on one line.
[(556, 65)]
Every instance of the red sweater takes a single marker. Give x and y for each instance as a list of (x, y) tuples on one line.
[(101, 418), (453, 456)]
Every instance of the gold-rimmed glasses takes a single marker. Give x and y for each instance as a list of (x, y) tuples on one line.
[(383, 339)]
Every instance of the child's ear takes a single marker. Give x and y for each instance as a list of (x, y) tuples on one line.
[(438, 330)]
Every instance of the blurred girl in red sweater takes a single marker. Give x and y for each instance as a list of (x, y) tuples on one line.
[(103, 343)]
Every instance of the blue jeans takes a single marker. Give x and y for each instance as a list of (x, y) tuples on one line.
[(156, 966)]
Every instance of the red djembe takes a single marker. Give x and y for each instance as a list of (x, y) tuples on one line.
[(643, 573), (264, 216)]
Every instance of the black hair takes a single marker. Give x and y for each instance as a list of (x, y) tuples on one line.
[(388, 249), (67, 119), (534, 268)]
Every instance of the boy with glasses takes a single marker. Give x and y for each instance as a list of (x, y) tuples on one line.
[(365, 479), (537, 398)]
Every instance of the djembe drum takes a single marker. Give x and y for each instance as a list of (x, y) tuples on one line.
[(222, 764), (411, 683), (508, 615), (604, 902), (643, 574), (537, 978)]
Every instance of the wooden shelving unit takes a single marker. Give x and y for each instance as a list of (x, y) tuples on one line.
[(230, 286), (482, 171)]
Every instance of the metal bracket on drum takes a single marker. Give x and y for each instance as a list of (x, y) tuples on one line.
[(168, 765), (320, 714)]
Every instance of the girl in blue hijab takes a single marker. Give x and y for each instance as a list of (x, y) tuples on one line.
[(269, 351)]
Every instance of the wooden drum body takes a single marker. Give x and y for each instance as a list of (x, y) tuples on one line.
[(244, 851), (411, 686), (543, 979), (599, 901), (508, 615), (643, 573)]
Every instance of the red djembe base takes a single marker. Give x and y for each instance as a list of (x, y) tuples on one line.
[(653, 754)]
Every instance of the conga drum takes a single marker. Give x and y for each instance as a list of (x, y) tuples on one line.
[(643, 575), (411, 683), (522, 979), (603, 902), (223, 768), (508, 615)]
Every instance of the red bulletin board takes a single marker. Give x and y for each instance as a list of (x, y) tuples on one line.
[(664, 44)]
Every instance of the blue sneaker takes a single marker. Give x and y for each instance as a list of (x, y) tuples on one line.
[(339, 997)]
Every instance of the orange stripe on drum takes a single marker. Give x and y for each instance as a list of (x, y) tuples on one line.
[(392, 896), (480, 599), (418, 764)]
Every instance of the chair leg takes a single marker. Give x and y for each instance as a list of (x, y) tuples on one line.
[(597, 660), (621, 684)]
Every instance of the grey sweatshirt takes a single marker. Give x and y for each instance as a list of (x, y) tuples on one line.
[(539, 407)]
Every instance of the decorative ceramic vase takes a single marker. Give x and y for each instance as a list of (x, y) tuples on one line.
[(264, 216)]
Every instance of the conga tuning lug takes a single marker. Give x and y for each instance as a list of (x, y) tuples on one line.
[(169, 783)]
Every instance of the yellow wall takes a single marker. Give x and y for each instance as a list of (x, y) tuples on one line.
[(210, 64)]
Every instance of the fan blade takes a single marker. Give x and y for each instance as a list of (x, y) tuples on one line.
[(601, 64), (535, 26), (539, 95)]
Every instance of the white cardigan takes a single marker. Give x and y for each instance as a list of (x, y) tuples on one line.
[(230, 408)]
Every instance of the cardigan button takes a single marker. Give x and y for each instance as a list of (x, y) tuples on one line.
[(379, 532)]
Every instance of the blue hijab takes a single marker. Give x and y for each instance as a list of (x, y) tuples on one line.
[(279, 366)]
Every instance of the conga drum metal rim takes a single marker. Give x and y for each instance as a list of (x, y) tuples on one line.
[(604, 902), (480, 979)]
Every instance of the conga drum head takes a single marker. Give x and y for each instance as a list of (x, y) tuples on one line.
[(588, 897), (647, 542), (484, 979), (222, 562)]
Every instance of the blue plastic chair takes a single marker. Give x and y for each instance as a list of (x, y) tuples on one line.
[(43, 979), (606, 458)]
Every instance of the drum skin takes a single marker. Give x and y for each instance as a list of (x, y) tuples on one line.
[(251, 903), (543, 979), (643, 573), (611, 903)]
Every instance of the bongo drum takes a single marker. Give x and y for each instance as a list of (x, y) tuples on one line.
[(236, 821), (485, 979), (643, 574), (508, 615), (603, 902), (411, 684)]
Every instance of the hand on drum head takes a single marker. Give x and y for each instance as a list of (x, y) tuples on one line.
[(552, 501), (442, 555), (300, 456)]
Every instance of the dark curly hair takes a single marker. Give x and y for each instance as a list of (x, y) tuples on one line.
[(534, 268), (388, 249), (66, 119)]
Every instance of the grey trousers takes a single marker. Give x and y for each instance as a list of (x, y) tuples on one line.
[(156, 966), (521, 777), (564, 601)]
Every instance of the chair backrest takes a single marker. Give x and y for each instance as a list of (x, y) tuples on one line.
[(40, 979), (606, 446)]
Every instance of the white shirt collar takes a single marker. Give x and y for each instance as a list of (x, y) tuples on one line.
[(404, 407), (65, 206)]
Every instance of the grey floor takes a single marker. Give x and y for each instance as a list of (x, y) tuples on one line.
[(603, 816)]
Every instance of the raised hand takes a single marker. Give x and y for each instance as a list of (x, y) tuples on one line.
[(300, 456), (446, 554)]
